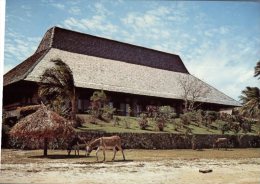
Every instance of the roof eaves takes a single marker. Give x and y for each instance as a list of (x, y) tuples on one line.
[(27, 72)]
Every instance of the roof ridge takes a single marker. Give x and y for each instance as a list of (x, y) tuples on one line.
[(117, 41), (83, 43), (52, 35), (47, 40)]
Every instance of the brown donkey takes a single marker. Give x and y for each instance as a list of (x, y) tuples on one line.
[(105, 143)]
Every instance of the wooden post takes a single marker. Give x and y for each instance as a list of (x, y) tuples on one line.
[(45, 148)]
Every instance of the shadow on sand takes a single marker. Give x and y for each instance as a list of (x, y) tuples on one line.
[(53, 156), (107, 162)]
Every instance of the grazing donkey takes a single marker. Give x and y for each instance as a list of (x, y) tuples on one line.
[(219, 141), (76, 143), (105, 143)]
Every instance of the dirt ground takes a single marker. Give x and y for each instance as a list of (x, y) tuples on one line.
[(236, 166)]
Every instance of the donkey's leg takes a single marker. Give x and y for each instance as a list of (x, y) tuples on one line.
[(114, 149), (104, 153), (120, 148), (97, 153), (78, 149)]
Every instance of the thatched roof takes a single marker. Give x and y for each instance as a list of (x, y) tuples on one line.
[(21, 71), (86, 44), (99, 73), (29, 108), (100, 63), (42, 124)]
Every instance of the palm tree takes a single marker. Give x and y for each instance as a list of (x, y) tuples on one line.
[(257, 70), (251, 102), (57, 84)]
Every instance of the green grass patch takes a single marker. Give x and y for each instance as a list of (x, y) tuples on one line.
[(128, 124)]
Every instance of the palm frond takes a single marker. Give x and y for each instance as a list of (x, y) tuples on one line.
[(251, 102), (257, 70)]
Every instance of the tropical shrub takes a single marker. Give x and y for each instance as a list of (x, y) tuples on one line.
[(257, 127), (223, 126), (116, 121), (186, 118), (152, 111), (57, 84), (235, 127), (126, 124), (143, 122), (164, 115), (108, 111), (98, 101), (79, 121), (246, 126)]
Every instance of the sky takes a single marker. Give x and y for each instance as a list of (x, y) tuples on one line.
[(218, 41)]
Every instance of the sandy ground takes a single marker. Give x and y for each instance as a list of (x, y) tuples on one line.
[(155, 167)]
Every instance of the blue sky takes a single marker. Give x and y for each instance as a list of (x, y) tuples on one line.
[(219, 42)]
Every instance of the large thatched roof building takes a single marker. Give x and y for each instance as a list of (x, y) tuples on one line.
[(132, 76)]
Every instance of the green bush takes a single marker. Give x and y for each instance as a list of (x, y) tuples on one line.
[(257, 127), (108, 111), (116, 121), (223, 126), (164, 115), (246, 126), (79, 121), (98, 101), (143, 122), (235, 127), (187, 118)]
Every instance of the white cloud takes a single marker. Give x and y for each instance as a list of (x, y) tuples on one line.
[(100, 9), (222, 66), (18, 48), (58, 5), (217, 31), (96, 23), (75, 10)]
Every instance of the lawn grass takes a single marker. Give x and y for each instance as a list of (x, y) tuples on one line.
[(128, 124), (11, 156)]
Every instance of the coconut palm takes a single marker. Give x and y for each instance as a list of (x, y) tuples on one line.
[(257, 70), (251, 102), (57, 84)]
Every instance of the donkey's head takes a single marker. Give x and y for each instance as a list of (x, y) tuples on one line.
[(88, 150)]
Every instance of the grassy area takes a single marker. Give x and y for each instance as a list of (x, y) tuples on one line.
[(9, 156), (130, 124)]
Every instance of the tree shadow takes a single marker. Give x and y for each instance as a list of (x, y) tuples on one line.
[(199, 149), (223, 149), (58, 156)]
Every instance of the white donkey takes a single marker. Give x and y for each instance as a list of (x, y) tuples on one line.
[(220, 141), (105, 143)]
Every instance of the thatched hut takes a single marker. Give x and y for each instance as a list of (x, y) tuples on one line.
[(43, 124)]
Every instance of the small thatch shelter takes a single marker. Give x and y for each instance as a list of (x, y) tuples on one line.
[(24, 111), (43, 124)]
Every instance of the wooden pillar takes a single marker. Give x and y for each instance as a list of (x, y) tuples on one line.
[(45, 148), (134, 108)]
